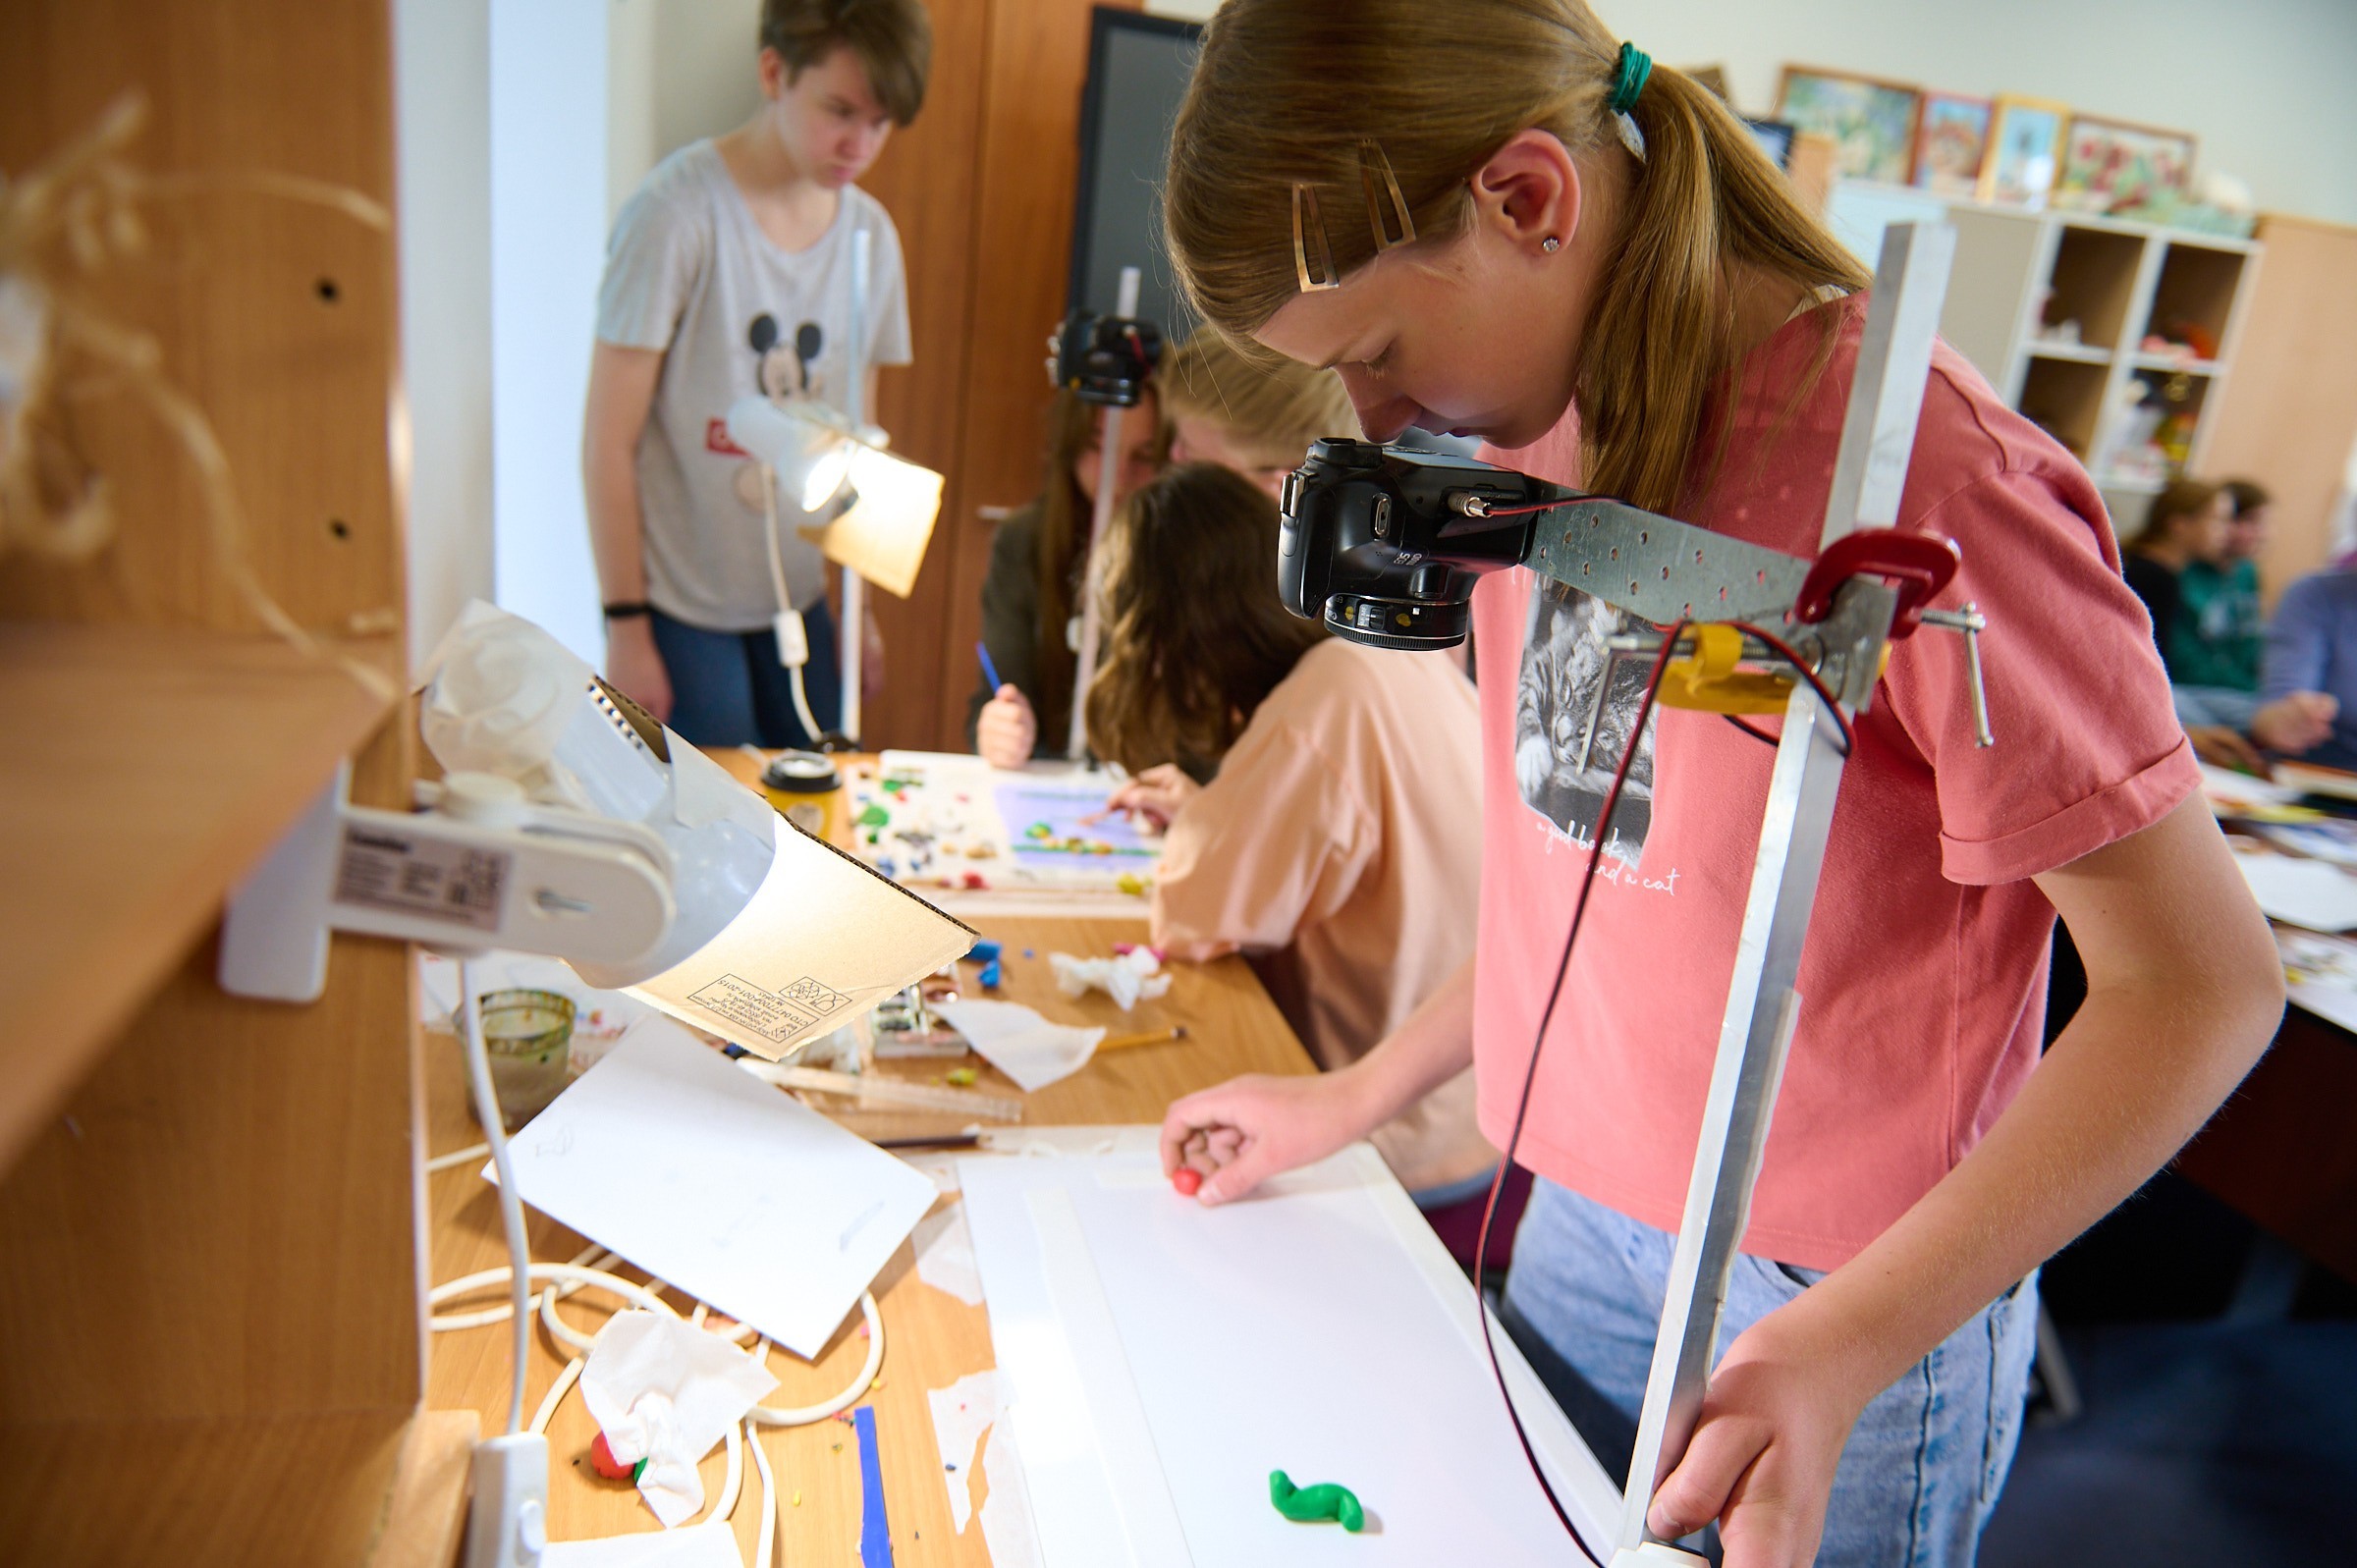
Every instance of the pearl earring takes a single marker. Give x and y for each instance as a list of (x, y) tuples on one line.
[(1551, 244)]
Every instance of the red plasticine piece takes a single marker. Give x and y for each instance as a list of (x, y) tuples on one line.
[(602, 1460), (1188, 1181)]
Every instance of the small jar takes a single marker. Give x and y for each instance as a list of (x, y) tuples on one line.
[(808, 790), (528, 1037)]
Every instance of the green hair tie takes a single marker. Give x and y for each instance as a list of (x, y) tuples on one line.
[(1628, 79)]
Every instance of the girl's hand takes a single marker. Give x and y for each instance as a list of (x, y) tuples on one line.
[(1762, 1457), (2297, 723), (1008, 729), (1161, 792), (1248, 1129)]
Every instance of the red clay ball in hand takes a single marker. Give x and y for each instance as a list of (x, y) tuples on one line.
[(1188, 1181)]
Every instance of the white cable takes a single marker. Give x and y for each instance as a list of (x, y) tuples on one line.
[(771, 1416), (457, 1156), (802, 704), (554, 1395), (732, 1481), (510, 1206), (776, 583), (635, 1294), (592, 1255), (765, 1544)]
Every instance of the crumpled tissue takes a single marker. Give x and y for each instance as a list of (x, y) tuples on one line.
[(500, 696), (665, 1391), (1126, 979), (1019, 1042)]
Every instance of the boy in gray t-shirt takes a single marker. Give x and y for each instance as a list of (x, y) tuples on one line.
[(730, 273)]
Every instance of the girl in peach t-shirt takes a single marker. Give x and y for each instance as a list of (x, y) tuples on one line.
[(1339, 847), (1494, 218)]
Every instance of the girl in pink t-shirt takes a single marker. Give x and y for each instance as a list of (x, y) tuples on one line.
[(1494, 218)]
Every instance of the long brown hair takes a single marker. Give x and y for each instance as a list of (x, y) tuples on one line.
[(1331, 93), (1195, 636)]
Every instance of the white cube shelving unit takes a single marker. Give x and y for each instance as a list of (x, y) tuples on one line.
[(2019, 274)]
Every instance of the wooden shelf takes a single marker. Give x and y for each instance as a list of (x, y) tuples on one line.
[(382, 1488), (153, 767), (2072, 353)]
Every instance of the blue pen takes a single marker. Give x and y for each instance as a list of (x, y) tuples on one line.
[(990, 672)]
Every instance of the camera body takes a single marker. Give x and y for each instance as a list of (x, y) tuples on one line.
[(1106, 359), (1384, 544)]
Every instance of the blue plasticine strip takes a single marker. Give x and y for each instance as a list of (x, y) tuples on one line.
[(875, 1531)]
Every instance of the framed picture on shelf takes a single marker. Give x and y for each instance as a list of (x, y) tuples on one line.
[(2025, 150), (2113, 166), (1951, 138), (1871, 121)]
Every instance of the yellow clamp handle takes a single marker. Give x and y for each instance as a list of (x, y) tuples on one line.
[(1707, 678)]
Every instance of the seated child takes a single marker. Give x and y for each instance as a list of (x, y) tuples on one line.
[(1338, 842), (1031, 593), (1256, 418)]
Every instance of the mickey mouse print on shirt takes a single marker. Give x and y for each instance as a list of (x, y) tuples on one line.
[(784, 370)]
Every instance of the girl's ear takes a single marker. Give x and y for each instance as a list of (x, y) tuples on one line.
[(773, 75), (1529, 191)]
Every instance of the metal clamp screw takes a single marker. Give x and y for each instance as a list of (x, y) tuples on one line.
[(1970, 623)]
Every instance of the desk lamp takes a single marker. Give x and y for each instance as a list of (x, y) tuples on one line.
[(880, 512), (571, 823)]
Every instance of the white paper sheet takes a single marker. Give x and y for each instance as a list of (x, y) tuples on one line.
[(1019, 1042), (2312, 893), (709, 1179), (1322, 1331)]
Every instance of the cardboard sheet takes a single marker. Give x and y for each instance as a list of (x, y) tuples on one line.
[(717, 1183), (2312, 893), (1160, 1359)]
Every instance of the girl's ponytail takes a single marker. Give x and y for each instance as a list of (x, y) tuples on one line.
[(1705, 201)]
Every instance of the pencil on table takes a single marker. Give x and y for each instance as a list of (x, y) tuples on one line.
[(1154, 1037)]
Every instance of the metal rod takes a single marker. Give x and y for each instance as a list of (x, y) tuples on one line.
[(1109, 473), (1763, 1006), (851, 637)]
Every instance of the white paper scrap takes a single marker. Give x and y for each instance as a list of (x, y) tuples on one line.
[(945, 1254), (962, 1413), (706, 1545), (667, 1392), (1127, 978), (1007, 1529), (2303, 893), (708, 1178), (1019, 1042)]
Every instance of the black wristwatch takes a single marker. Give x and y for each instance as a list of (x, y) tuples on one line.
[(628, 609)]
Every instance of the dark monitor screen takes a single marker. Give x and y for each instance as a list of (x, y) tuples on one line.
[(1137, 73)]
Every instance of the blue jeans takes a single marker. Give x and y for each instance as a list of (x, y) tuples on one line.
[(1924, 1465), (728, 688)]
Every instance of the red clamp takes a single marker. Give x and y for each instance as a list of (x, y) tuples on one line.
[(1917, 565)]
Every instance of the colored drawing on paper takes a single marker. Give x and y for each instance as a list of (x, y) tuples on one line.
[(1058, 828)]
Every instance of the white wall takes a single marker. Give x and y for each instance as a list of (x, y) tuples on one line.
[(442, 83), (548, 238), (2263, 84), (683, 69)]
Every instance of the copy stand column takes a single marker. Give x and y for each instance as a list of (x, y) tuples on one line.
[(1877, 437)]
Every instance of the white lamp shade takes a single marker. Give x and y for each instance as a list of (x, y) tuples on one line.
[(809, 456)]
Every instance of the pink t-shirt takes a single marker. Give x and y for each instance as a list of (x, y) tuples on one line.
[(1923, 983)]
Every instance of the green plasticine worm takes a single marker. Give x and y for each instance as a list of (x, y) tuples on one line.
[(1311, 1504)]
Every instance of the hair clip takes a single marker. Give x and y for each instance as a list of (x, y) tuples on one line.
[(1372, 162), (1304, 197)]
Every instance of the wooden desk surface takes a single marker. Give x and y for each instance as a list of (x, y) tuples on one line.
[(931, 1339)]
